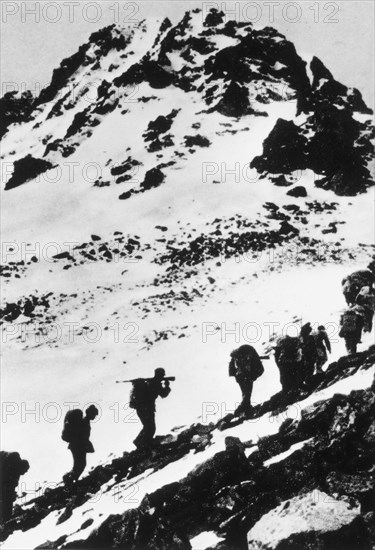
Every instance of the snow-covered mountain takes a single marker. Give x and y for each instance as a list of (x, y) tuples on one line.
[(175, 191)]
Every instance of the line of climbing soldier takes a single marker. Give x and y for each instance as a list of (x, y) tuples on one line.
[(298, 359), (358, 289)]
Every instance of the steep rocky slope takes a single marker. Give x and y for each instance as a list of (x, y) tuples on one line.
[(306, 485)]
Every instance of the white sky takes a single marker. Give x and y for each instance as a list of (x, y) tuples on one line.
[(341, 33)]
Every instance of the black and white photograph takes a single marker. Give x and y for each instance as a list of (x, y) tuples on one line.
[(187, 275)]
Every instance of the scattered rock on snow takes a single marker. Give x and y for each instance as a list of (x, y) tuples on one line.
[(298, 191)]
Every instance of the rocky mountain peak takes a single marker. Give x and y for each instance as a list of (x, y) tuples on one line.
[(319, 71), (235, 69)]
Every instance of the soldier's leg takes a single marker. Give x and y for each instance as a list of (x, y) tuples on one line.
[(310, 367), (247, 396), (297, 375), (284, 378), (79, 462), (140, 437), (149, 427), (347, 344), (318, 365), (351, 345), (240, 407), (246, 387), (145, 436), (367, 327), (320, 360), (69, 477)]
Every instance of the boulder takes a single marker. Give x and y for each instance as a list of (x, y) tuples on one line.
[(235, 101), (135, 529), (153, 178), (198, 140), (126, 195), (298, 191), (284, 150), (214, 18), (160, 125), (156, 75), (15, 107), (280, 181), (286, 228), (310, 521), (26, 169)]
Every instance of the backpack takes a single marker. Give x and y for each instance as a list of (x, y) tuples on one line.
[(257, 368), (138, 393), (291, 350), (245, 359), (350, 323), (366, 298), (232, 367), (72, 423)]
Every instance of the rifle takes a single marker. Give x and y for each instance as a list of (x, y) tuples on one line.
[(170, 378)]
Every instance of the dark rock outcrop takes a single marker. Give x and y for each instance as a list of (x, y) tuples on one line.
[(332, 142), (160, 125), (15, 108), (338, 149), (153, 178), (104, 39), (81, 119), (156, 128), (26, 169), (126, 170), (284, 150), (325, 89), (196, 141), (298, 191), (214, 18), (235, 101), (156, 75)]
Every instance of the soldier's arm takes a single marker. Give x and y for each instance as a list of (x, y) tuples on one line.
[(164, 390), (327, 342)]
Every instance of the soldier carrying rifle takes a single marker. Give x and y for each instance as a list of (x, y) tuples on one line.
[(142, 398)]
